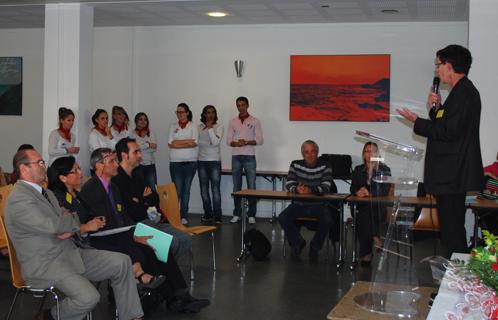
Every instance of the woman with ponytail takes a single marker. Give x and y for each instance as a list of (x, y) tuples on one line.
[(61, 141)]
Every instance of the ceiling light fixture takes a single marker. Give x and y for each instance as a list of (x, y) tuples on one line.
[(389, 11), (217, 14)]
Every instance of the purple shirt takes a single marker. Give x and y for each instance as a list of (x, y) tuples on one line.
[(248, 130), (105, 184)]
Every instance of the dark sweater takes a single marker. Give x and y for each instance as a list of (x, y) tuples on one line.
[(133, 187)]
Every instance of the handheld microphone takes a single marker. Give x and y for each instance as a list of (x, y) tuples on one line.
[(435, 88)]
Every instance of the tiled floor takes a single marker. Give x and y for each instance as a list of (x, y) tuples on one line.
[(278, 288)]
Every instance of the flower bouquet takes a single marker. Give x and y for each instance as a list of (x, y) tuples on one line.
[(477, 282), (483, 262)]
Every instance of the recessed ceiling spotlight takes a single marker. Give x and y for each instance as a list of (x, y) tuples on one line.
[(217, 14), (389, 11)]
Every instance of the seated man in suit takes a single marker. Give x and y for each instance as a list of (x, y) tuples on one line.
[(137, 197), (100, 196), (42, 235), (308, 176)]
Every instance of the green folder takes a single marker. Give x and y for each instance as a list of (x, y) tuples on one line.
[(160, 241)]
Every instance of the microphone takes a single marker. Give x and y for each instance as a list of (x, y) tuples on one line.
[(435, 88)]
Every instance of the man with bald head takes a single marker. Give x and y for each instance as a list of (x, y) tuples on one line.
[(42, 235)]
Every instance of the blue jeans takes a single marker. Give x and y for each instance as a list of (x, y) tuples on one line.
[(182, 174), (247, 164), (149, 175), (210, 173)]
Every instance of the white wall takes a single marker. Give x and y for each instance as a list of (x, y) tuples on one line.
[(152, 69), (15, 130), (484, 71)]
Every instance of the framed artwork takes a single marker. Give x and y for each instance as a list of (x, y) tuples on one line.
[(340, 88), (11, 86)]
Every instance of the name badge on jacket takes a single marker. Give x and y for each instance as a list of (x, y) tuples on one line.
[(439, 113)]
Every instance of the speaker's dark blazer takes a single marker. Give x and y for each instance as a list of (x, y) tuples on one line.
[(453, 162), (94, 197)]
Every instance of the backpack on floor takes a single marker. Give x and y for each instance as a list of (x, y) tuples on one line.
[(258, 245)]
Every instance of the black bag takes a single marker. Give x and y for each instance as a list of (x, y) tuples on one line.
[(340, 164), (257, 244)]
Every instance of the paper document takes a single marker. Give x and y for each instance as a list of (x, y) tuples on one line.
[(160, 241), (111, 231)]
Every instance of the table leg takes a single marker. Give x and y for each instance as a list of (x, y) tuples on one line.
[(243, 250), (273, 202), (354, 258), (340, 261), (284, 181)]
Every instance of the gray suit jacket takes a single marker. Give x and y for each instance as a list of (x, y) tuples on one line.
[(33, 224)]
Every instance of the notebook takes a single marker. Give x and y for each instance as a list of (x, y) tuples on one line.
[(161, 241)]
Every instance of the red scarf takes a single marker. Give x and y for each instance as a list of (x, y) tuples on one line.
[(102, 131), (120, 128), (242, 118), (66, 134), (143, 132), (182, 124)]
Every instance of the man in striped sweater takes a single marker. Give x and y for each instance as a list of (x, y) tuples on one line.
[(308, 176)]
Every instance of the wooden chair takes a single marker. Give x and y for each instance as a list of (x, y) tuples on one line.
[(4, 194), (170, 207), (428, 220), (18, 281)]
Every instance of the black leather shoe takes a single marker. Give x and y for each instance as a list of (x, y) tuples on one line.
[(296, 251), (154, 282), (188, 304), (206, 218), (194, 302)]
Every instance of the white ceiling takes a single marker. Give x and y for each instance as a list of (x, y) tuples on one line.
[(30, 13)]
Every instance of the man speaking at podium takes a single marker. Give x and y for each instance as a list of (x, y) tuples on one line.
[(453, 163)]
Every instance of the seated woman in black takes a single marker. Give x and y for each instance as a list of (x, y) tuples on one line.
[(64, 177), (369, 214)]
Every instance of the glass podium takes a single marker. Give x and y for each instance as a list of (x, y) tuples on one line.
[(394, 283)]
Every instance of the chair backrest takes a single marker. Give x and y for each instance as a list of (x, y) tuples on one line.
[(428, 219), (4, 194), (170, 207), (15, 266), (341, 165)]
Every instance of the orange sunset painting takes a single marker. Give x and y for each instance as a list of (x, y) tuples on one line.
[(340, 88)]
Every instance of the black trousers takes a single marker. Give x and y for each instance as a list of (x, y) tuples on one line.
[(124, 243), (451, 208), (368, 221)]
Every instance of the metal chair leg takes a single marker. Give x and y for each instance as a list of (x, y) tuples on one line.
[(214, 252), (13, 303), (284, 245), (192, 275), (57, 306)]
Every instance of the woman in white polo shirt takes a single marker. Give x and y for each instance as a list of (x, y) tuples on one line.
[(101, 136), (61, 141), (146, 139), (183, 136), (209, 164)]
